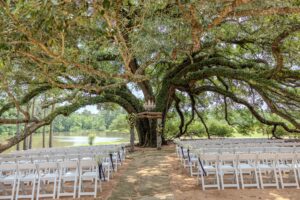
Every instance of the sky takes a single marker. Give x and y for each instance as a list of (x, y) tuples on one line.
[(92, 108)]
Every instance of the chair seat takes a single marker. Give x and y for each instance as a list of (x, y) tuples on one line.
[(264, 166), (226, 167), (90, 174), (209, 167), (69, 176), (49, 176), (7, 178), (246, 166), (29, 177), (194, 159)]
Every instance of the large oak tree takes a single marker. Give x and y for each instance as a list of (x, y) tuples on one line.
[(241, 52)]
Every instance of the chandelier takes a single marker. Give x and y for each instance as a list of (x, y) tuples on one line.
[(149, 105)]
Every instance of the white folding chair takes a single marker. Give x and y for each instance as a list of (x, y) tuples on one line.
[(8, 177), (247, 167), (68, 172), (193, 162), (106, 167), (208, 171), (286, 166), (27, 176), (266, 164), (228, 170), (47, 176), (88, 174)]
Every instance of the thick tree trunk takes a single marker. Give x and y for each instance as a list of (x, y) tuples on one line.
[(146, 130)]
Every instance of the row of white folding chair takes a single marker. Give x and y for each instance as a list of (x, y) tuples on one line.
[(37, 159), (234, 141), (181, 151), (106, 162), (243, 145), (251, 150), (17, 176), (256, 164), (64, 150), (246, 149)]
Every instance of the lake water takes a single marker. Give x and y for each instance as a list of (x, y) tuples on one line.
[(76, 139)]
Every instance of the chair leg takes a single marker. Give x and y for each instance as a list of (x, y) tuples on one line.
[(276, 178), (18, 189), (100, 182), (54, 189), (296, 179), (13, 189), (256, 178), (96, 181), (58, 188), (261, 179), (222, 180), (281, 179), (242, 179), (203, 182), (33, 189), (79, 187), (218, 179), (38, 189), (75, 183), (237, 179)]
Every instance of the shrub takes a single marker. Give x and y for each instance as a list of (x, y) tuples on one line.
[(91, 138), (220, 130)]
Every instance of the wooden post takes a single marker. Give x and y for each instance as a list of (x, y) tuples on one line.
[(158, 134), (131, 119), (132, 139), (18, 130), (51, 129)]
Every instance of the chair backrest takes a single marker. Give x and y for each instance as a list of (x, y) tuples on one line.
[(209, 157), (228, 158), (69, 165), (286, 149), (27, 166), (24, 160), (58, 158), (88, 164), (8, 161), (266, 158), (247, 158), (72, 157), (271, 149), (286, 156), (47, 167), (39, 159), (257, 150), (8, 169)]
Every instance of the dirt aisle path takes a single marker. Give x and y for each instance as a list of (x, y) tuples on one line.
[(146, 177)]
